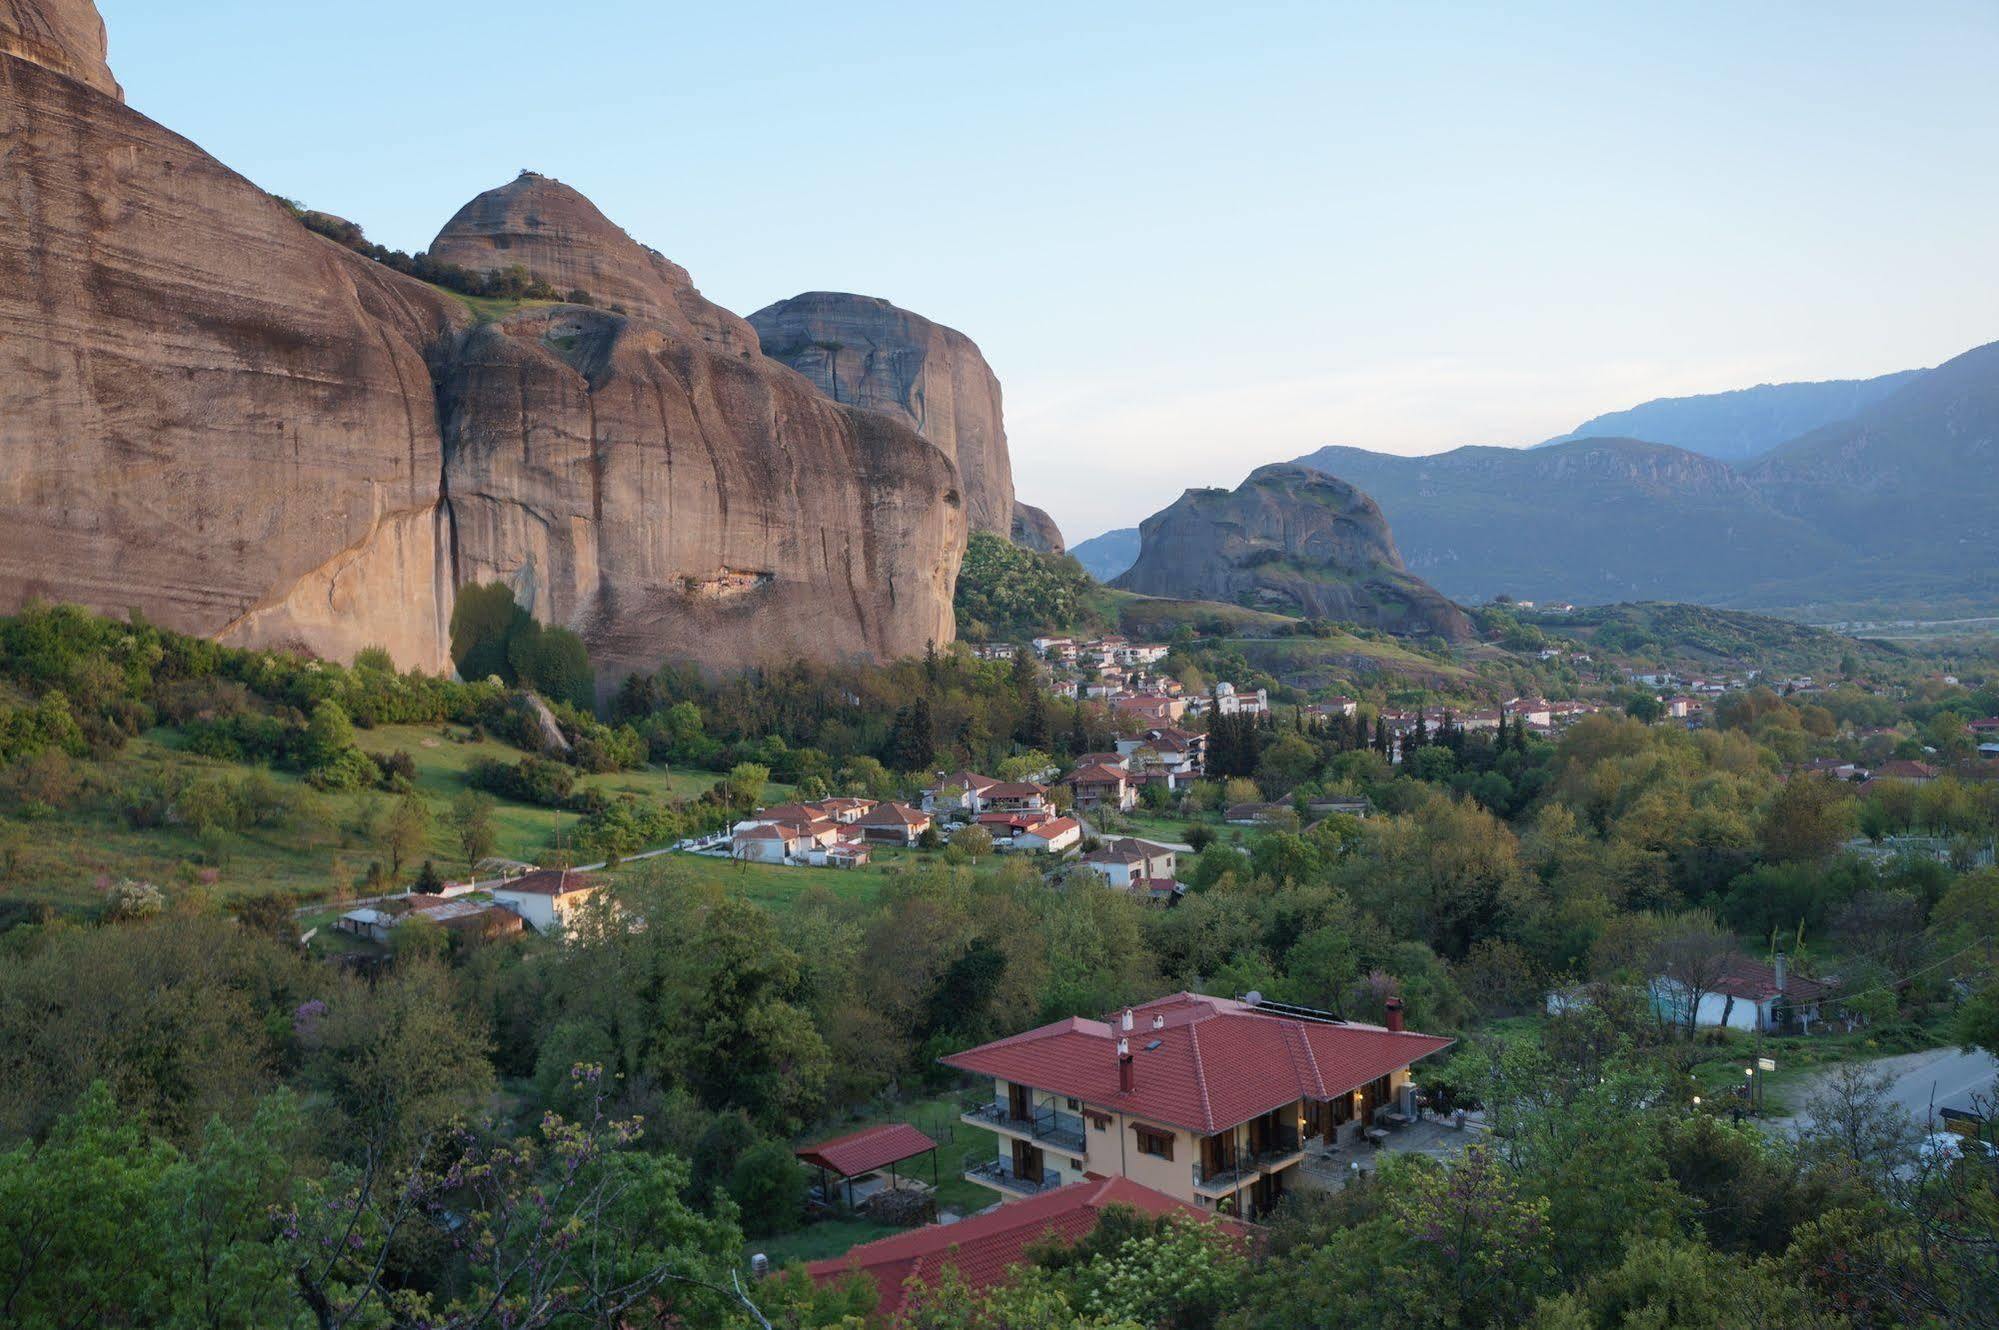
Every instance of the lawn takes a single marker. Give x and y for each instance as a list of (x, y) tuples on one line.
[(773, 886), (1168, 827), (64, 860)]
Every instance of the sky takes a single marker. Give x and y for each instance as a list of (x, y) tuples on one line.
[(1192, 238)]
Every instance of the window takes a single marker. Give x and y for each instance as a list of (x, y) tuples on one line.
[(1075, 1105), (1154, 1142)]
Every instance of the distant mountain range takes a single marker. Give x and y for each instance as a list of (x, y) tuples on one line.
[(1104, 557), (1744, 424), (1896, 506)]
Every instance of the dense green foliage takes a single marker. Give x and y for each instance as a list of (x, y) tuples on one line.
[(1008, 593), (492, 637), (241, 1135)]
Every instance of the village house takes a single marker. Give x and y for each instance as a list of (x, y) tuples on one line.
[(1228, 700), (1342, 805), (460, 917), (1051, 836), (1156, 708), (1103, 786), (958, 792), (1016, 797), (1211, 1101), (894, 824), (547, 899), (1343, 707), (1125, 861), (1747, 995), (764, 842), (1168, 748), (1256, 815)]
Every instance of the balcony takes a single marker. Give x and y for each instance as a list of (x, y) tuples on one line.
[(988, 1171), (1280, 1149), (1223, 1180), (1049, 1126)]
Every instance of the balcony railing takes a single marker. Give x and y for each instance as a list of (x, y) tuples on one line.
[(995, 1172), (1226, 1178), (1049, 1125), (1279, 1146)]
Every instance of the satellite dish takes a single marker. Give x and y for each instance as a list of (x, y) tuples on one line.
[(1255, 999)]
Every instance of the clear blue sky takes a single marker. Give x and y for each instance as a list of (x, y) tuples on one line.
[(1193, 238)]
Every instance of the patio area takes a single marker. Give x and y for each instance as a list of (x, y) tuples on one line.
[(1330, 1169)]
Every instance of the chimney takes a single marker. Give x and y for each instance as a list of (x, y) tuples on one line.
[(1127, 1020), (1781, 970), (1126, 1077), (1394, 1014), (1158, 1021)]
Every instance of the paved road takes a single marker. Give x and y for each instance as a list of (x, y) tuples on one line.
[(1939, 1076)]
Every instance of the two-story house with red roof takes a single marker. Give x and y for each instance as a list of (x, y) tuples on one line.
[(1209, 1100)]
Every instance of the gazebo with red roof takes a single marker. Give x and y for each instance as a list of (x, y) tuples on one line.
[(869, 1150)]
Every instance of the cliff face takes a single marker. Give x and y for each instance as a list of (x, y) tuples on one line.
[(866, 352), (668, 501), (1036, 530), (215, 416), (66, 36), (1294, 540), (206, 411)]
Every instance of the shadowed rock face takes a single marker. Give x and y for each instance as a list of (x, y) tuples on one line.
[(64, 35), (559, 236), (211, 414), (206, 411), (866, 352), (667, 501), (1294, 540), (1036, 530)]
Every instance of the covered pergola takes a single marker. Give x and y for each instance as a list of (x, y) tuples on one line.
[(866, 1151)]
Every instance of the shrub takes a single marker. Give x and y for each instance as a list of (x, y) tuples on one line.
[(769, 1186)]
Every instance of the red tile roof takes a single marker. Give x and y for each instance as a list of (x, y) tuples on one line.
[(1055, 826), (550, 882), (893, 815), (1099, 775), (985, 1248), (1218, 1062), (868, 1149), (1014, 790), (1754, 981)]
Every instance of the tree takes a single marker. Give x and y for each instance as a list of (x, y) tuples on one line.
[(975, 841), (402, 831), (564, 1226), (472, 815), (768, 1185), (1807, 820), (1852, 1118), (1687, 961)]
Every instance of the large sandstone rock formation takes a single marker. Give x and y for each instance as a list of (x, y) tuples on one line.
[(1294, 540), (1036, 530), (864, 351), (211, 414), (206, 411), (556, 234), (64, 35), (667, 500)]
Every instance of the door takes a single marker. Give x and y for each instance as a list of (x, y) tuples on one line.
[(1217, 1154), (1026, 1162), (1019, 1103)]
